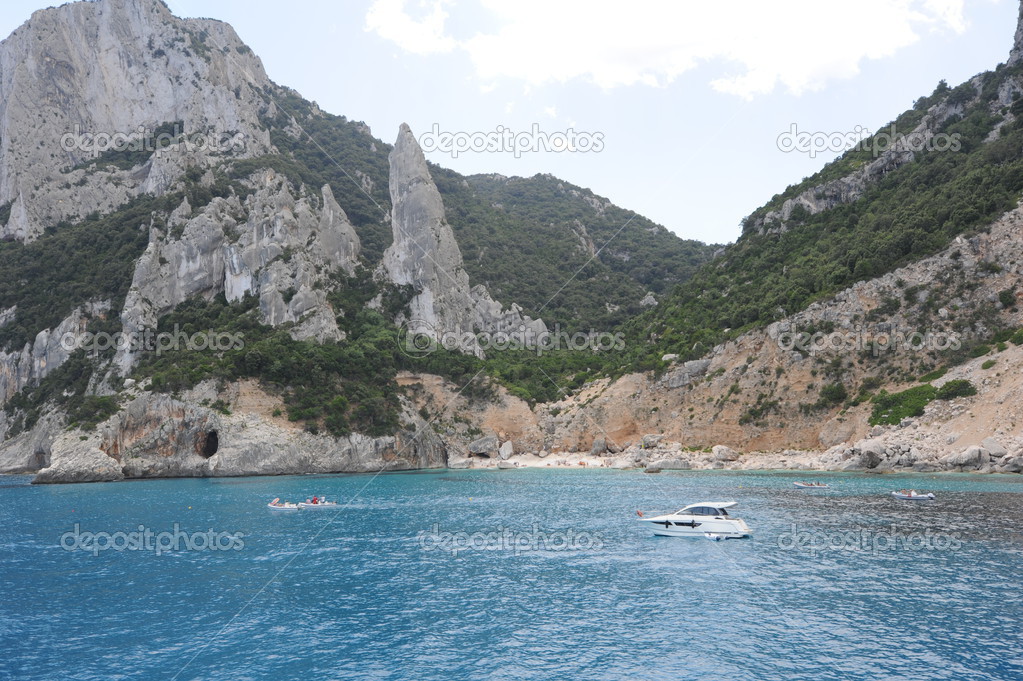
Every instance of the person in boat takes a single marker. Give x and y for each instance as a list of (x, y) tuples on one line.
[(316, 500)]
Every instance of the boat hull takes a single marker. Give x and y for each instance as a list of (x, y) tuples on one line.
[(733, 528), (317, 507)]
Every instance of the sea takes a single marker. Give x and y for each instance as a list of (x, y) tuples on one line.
[(509, 575)]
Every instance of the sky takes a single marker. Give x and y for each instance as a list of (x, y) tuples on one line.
[(681, 111)]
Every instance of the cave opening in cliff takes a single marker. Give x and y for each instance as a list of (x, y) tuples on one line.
[(211, 445)]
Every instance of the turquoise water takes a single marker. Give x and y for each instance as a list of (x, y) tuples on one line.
[(528, 574)]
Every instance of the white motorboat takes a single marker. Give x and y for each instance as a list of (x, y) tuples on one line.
[(278, 505), (318, 504), (811, 485), (700, 520), (912, 495)]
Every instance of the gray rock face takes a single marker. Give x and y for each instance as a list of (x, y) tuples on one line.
[(971, 456), (651, 440), (685, 374), (1016, 54), (674, 464), (458, 456), (46, 352), (288, 247), (994, 447), (276, 247), (723, 453), (506, 450), (1011, 465), (158, 436), (30, 451), (865, 454), (424, 254), (836, 431), (106, 68), (75, 463), (484, 446)]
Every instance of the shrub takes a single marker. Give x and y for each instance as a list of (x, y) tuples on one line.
[(956, 388), (871, 383), (934, 375), (890, 409), (988, 364), (834, 393)]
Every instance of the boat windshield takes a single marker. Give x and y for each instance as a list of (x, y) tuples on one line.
[(705, 510)]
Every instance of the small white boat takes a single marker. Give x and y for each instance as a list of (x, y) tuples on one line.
[(912, 495), (278, 505), (699, 520), (811, 485), (318, 504)]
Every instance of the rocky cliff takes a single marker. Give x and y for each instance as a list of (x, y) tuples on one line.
[(160, 436), (426, 256), (1016, 54), (272, 246), (75, 77)]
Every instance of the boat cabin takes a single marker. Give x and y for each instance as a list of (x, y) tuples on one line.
[(708, 509)]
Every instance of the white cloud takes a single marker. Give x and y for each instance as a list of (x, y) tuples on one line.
[(389, 20), (798, 44)]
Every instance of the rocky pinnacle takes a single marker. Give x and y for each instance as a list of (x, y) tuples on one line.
[(425, 255), (1016, 54)]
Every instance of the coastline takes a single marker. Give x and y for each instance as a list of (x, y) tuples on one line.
[(649, 460)]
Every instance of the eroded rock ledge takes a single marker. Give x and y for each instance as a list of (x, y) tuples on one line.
[(157, 436)]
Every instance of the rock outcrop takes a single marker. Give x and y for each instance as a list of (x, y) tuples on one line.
[(158, 436), (424, 254), (277, 247), (107, 69), (1016, 53), (30, 451), (49, 349), (902, 150)]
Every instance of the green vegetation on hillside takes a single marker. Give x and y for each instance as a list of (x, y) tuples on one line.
[(555, 232), (65, 388), (912, 212), (892, 408), (342, 386), (72, 264)]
